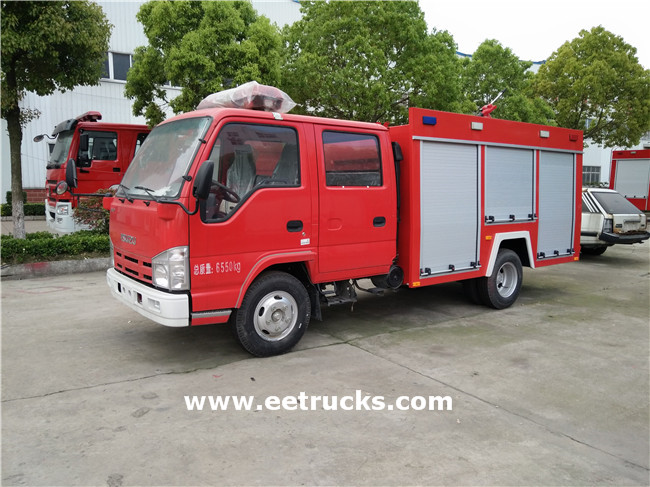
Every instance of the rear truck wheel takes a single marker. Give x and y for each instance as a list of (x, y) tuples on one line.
[(501, 289), (274, 314)]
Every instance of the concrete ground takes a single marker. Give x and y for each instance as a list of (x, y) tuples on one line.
[(32, 224), (552, 391)]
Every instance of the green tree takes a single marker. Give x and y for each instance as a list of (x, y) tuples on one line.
[(595, 83), (46, 46), (494, 68), (368, 60), (203, 47)]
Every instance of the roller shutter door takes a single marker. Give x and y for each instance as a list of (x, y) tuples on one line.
[(509, 178), (556, 204), (449, 207)]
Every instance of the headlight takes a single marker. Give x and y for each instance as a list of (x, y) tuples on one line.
[(171, 269), (62, 209), (61, 188)]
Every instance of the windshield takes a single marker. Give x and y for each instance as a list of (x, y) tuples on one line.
[(615, 204), (158, 168), (61, 149)]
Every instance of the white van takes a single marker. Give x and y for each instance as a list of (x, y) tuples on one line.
[(608, 219)]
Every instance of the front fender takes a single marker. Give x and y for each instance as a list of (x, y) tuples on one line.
[(270, 260)]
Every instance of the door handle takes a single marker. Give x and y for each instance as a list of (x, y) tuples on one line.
[(294, 226), (379, 221)]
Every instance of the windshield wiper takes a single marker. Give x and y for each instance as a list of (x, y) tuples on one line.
[(149, 191), (126, 193)]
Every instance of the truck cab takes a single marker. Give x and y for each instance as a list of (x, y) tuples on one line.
[(608, 219), (101, 153), (241, 214)]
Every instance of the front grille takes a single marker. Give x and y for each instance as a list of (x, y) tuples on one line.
[(133, 266)]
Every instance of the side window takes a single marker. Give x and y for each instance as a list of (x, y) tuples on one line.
[(248, 157), (139, 141), (101, 146), (351, 159)]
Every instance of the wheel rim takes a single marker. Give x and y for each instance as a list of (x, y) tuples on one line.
[(275, 316), (507, 279)]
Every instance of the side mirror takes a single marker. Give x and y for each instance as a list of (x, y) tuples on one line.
[(203, 181), (38, 138), (71, 174)]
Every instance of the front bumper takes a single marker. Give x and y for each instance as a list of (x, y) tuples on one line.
[(61, 223), (162, 307)]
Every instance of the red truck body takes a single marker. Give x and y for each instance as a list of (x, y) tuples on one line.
[(630, 176), (101, 157), (266, 218)]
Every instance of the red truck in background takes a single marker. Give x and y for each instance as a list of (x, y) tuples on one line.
[(262, 219), (630, 176), (101, 151)]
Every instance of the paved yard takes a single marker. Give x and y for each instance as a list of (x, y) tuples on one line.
[(553, 391)]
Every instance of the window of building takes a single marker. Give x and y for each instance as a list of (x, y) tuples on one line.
[(116, 66), (590, 175), (121, 65), (351, 159)]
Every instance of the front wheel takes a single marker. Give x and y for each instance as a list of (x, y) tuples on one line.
[(501, 289), (274, 314)]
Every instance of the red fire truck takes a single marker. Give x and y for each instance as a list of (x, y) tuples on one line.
[(630, 176), (262, 219), (101, 151)]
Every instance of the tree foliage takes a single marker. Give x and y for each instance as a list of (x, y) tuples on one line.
[(494, 68), (595, 83), (202, 47), (368, 60), (46, 46)]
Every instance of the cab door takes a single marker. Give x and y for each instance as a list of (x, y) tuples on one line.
[(98, 160), (357, 202)]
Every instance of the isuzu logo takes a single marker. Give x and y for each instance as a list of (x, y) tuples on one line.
[(129, 239)]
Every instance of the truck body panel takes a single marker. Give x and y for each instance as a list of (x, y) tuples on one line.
[(468, 181), (630, 176)]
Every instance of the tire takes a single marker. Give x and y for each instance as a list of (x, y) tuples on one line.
[(501, 289), (274, 314), (593, 250)]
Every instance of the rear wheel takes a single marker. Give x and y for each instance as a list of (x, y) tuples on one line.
[(501, 289), (274, 314)]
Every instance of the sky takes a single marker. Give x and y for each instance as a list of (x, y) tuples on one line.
[(533, 30)]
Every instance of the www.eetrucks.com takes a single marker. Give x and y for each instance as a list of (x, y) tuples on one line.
[(359, 401)]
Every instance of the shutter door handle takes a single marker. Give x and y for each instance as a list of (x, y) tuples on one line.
[(379, 221)]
